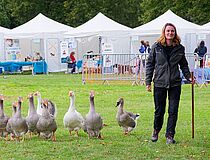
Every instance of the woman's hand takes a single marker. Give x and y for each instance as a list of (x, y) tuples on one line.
[(192, 81), (148, 87)]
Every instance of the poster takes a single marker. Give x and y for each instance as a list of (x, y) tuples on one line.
[(107, 48), (12, 50)]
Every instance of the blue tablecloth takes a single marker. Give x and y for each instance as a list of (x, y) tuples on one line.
[(38, 66), (202, 74)]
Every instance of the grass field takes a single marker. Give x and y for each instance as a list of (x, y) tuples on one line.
[(115, 145)]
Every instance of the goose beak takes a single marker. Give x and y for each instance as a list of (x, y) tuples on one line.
[(118, 103), (36, 93), (30, 95), (70, 93)]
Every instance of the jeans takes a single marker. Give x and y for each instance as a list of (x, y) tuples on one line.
[(160, 95)]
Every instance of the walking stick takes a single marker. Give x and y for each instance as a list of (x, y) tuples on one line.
[(192, 78)]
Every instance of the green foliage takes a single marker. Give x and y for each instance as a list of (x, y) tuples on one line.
[(131, 13), (115, 145)]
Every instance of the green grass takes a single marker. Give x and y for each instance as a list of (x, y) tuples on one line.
[(115, 145)]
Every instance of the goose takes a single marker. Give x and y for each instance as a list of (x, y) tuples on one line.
[(39, 99), (18, 124), (9, 124), (73, 120), (51, 106), (3, 118), (126, 120), (46, 124), (32, 117), (93, 121)]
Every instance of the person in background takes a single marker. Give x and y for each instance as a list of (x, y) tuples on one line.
[(148, 49), (38, 57), (72, 62), (166, 57), (201, 50), (141, 57), (142, 47)]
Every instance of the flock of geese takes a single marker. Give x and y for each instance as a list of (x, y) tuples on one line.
[(41, 119)]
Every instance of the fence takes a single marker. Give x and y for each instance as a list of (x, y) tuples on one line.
[(109, 67), (201, 68)]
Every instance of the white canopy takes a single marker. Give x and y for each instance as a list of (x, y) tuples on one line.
[(100, 25), (4, 30), (206, 27), (50, 31), (155, 26), (40, 25)]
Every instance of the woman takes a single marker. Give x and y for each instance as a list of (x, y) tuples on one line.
[(72, 62), (166, 57)]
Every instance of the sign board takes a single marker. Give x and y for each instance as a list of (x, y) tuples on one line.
[(12, 50)]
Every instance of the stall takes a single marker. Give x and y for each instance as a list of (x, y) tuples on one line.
[(14, 67)]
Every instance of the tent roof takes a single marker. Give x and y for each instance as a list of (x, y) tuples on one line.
[(41, 24), (4, 30), (100, 24), (206, 26), (156, 25)]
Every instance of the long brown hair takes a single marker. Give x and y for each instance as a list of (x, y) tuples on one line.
[(162, 38)]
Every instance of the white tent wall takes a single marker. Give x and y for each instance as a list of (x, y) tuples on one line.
[(120, 44), (85, 44), (2, 55), (189, 41), (136, 42), (25, 47), (53, 55), (207, 42), (92, 43), (37, 45)]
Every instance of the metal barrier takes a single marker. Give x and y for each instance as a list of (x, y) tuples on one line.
[(202, 74), (110, 67), (132, 67)]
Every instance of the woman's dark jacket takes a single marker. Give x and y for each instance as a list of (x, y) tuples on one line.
[(166, 71)]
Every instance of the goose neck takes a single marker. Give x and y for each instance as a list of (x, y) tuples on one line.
[(92, 105), (72, 103), (31, 105)]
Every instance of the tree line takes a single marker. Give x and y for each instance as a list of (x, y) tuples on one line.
[(131, 13)]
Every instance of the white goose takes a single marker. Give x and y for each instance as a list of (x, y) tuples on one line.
[(39, 100), (73, 120), (51, 106)]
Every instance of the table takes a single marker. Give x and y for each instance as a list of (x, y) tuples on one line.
[(11, 67)]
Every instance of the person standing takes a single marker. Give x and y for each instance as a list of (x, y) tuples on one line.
[(148, 49), (166, 57), (201, 50), (73, 61)]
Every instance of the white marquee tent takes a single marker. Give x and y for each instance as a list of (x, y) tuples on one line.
[(3, 31), (98, 31), (187, 30), (45, 34), (205, 35)]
